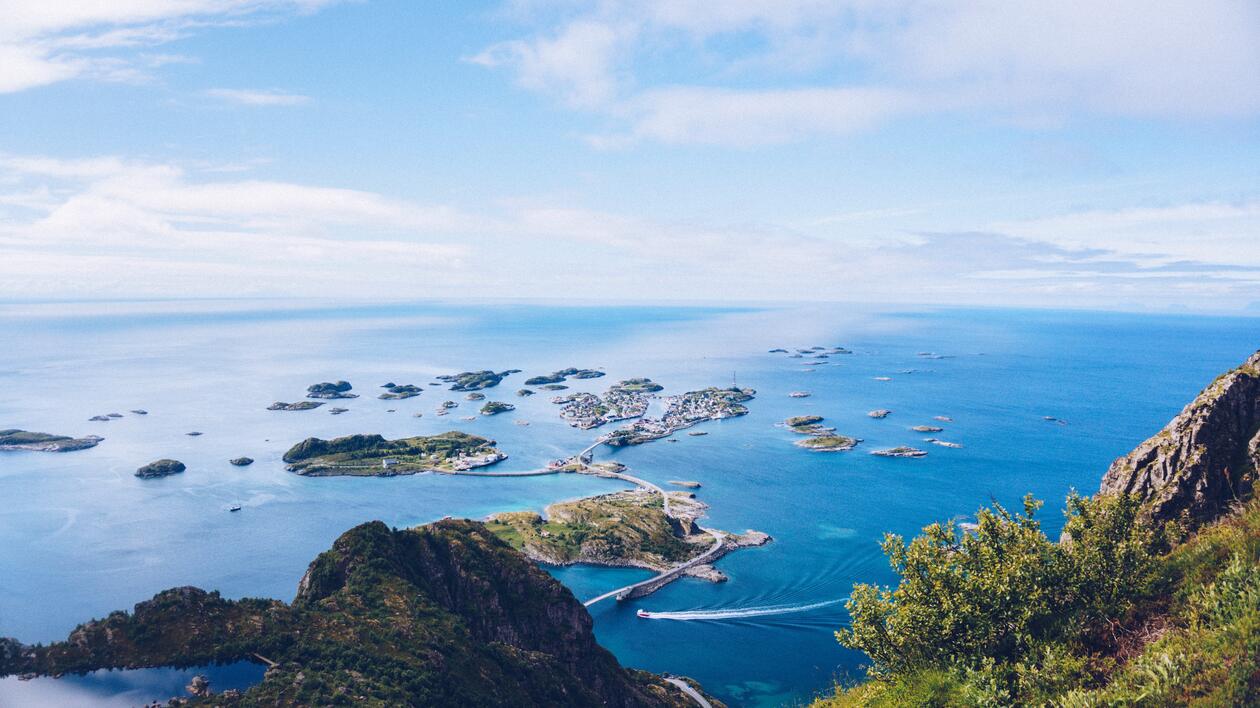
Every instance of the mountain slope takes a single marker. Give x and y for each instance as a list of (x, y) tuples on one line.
[(444, 614)]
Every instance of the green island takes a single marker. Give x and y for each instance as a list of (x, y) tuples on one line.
[(624, 529), (160, 468), (563, 375), (328, 389), (14, 439), (807, 425), (524, 392), (639, 385), (476, 380), (395, 392), (828, 443), (496, 407), (443, 614), (374, 456)]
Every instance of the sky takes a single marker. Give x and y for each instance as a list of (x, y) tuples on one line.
[(1034, 154)]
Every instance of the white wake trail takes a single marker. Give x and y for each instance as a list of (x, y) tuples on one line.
[(742, 613)]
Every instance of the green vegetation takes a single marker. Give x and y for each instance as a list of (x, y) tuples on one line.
[(160, 468), (828, 443), (1119, 613), (496, 407), (625, 528), (440, 615), (373, 455), (807, 425)]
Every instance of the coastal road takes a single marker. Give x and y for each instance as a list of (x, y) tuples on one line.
[(692, 693), (718, 539)]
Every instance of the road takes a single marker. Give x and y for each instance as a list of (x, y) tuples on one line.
[(692, 693), (665, 577)]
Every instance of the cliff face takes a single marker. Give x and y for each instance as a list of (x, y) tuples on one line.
[(445, 614), (1203, 460)]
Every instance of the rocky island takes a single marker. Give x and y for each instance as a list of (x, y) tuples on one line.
[(476, 380), (563, 375), (340, 389), (445, 614), (160, 468), (496, 407), (623, 529), (14, 439), (586, 410), (241, 461), (807, 425), (900, 451), (828, 443), (374, 456), (399, 391), (299, 406)]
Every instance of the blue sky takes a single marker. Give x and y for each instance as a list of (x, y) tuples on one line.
[(1034, 154)]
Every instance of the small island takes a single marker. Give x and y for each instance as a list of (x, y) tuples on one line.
[(563, 375), (900, 451), (943, 443), (496, 407), (623, 529), (639, 385), (328, 389), (524, 392), (374, 456), (927, 429), (14, 439), (160, 468), (476, 380), (241, 461), (879, 413), (299, 406), (397, 392), (807, 425), (828, 443)]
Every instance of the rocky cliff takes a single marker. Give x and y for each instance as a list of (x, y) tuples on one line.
[(1202, 461), (444, 614)]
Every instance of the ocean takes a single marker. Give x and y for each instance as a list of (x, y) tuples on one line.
[(83, 536)]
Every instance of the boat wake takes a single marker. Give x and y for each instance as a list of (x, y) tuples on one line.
[(736, 614)]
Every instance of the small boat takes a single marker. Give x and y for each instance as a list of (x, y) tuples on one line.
[(644, 614), (235, 507)]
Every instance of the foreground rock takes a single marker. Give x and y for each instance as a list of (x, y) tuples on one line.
[(14, 439), (374, 456), (1205, 459), (160, 468), (445, 614)]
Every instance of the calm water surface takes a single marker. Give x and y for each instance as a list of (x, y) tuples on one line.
[(83, 536)]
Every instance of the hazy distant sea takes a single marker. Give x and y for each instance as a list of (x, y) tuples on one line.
[(82, 536)]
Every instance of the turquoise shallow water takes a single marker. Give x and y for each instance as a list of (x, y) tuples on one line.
[(84, 537)]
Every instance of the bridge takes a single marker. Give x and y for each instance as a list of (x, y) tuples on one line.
[(656, 582)]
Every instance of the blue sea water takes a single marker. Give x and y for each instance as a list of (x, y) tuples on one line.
[(82, 536)]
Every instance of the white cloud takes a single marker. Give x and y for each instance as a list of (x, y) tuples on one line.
[(109, 226), (43, 42), (1032, 64), (256, 97)]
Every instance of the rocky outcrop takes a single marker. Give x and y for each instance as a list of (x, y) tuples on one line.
[(1202, 461), (160, 468)]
